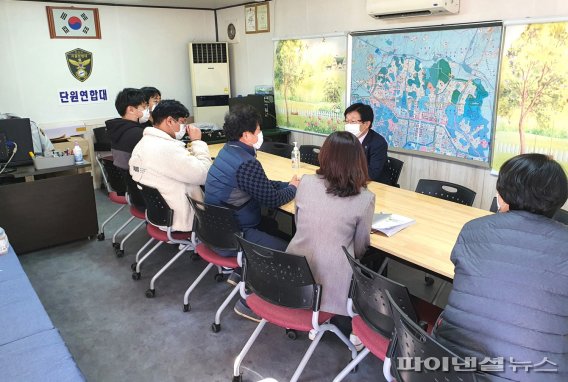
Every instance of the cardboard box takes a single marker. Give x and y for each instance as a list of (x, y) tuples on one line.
[(69, 143)]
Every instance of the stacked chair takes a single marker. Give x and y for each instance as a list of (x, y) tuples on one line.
[(283, 292), (217, 229), (159, 215)]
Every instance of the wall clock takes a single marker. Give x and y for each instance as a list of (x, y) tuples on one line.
[(231, 31)]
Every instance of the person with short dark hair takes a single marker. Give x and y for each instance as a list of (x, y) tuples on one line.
[(334, 208), (510, 289), (152, 96), (358, 121), (162, 161), (126, 132), (237, 180)]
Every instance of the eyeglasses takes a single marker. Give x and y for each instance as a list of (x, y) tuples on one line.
[(356, 121)]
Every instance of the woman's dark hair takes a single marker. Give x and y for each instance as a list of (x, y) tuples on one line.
[(534, 183), (169, 108), (343, 164), (150, 92), (241, 118), (365, 111)]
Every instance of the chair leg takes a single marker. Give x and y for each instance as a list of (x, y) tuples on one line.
[(193, 285), (102, 229), (120, 229), (130, 234), (165, 267), (139, 263), (246, 348), (338, 333), (307, 356), (225, 303), (351, 365), (141, 250)]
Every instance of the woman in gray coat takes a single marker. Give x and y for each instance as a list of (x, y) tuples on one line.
[(334, 209)]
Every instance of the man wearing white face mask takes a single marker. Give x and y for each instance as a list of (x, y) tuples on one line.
[(358, 121), (126, 132), (152, 96), (162, 161)]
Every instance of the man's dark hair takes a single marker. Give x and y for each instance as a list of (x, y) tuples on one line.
[(169, 108), (150, 92), (365, 111), (241, 118), (343, 164), (534, 183), (128, 97)]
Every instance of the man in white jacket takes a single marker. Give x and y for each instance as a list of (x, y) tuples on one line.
[(162, 161)]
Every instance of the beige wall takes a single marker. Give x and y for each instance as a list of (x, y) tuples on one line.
[(252, 61)]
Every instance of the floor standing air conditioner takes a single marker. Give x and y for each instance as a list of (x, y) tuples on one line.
[(210, 82)]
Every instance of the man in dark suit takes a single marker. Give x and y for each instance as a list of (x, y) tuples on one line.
[(358, 121)]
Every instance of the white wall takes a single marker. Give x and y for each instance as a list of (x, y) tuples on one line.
[(252, 62), (139, 47)]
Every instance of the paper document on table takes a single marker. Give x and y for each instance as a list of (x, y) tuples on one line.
[(389, 224)]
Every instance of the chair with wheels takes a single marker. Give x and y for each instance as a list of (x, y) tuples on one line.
[(277, 148), (159, 215), (447, 191), (393, 167), (309, 154), (372, 323), (137, 208), (412, 343), (217, 229), (283, 292), (116, 189)]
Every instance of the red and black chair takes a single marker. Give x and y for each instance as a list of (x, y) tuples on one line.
[(116, 189), (160, 217), (284, 293), (216, 229), (373, 322)]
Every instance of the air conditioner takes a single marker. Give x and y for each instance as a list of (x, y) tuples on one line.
[(210, 82), (390, 9)]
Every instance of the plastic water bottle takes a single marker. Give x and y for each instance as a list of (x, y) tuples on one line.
[(295, 156), (78, 153), (4, 245)]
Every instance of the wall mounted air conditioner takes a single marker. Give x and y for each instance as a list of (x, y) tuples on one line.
[(390, 9), (210, 82)]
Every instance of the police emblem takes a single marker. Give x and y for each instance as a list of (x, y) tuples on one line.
[(80, 63)]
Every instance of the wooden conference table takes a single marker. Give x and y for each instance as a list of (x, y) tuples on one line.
[(427, 244)]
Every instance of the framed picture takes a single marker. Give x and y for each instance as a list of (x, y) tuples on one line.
[(72, 22), (262, 18), (250, 18)]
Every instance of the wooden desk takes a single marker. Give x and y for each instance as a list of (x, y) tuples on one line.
[(427, 243)]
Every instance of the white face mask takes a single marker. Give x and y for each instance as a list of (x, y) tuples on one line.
[(154, 106), (353, 128), (145, 116), (498, 205), (181, 132), (259, 142)]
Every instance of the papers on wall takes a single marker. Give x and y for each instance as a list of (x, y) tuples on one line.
[(389, 224)]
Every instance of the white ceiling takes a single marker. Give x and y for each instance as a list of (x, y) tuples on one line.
[(204, 4)]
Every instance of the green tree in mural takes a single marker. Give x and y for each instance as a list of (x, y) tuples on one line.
[(534, 75), (332, 91), (288, 69)]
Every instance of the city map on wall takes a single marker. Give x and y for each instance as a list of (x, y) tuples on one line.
[(310, 83), (432, 89), (532, 113)]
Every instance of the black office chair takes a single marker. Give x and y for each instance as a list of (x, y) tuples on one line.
[(373, 324), (309, 154), (116, 190), (411, 342), (217, 229), (447, 191), (561, 216), (393, 167), (159, 215), (493, 207), (283, 292), (102, 139), (277, 148)]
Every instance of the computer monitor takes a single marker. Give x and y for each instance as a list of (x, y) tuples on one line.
[(16, 130), (263, 103)]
